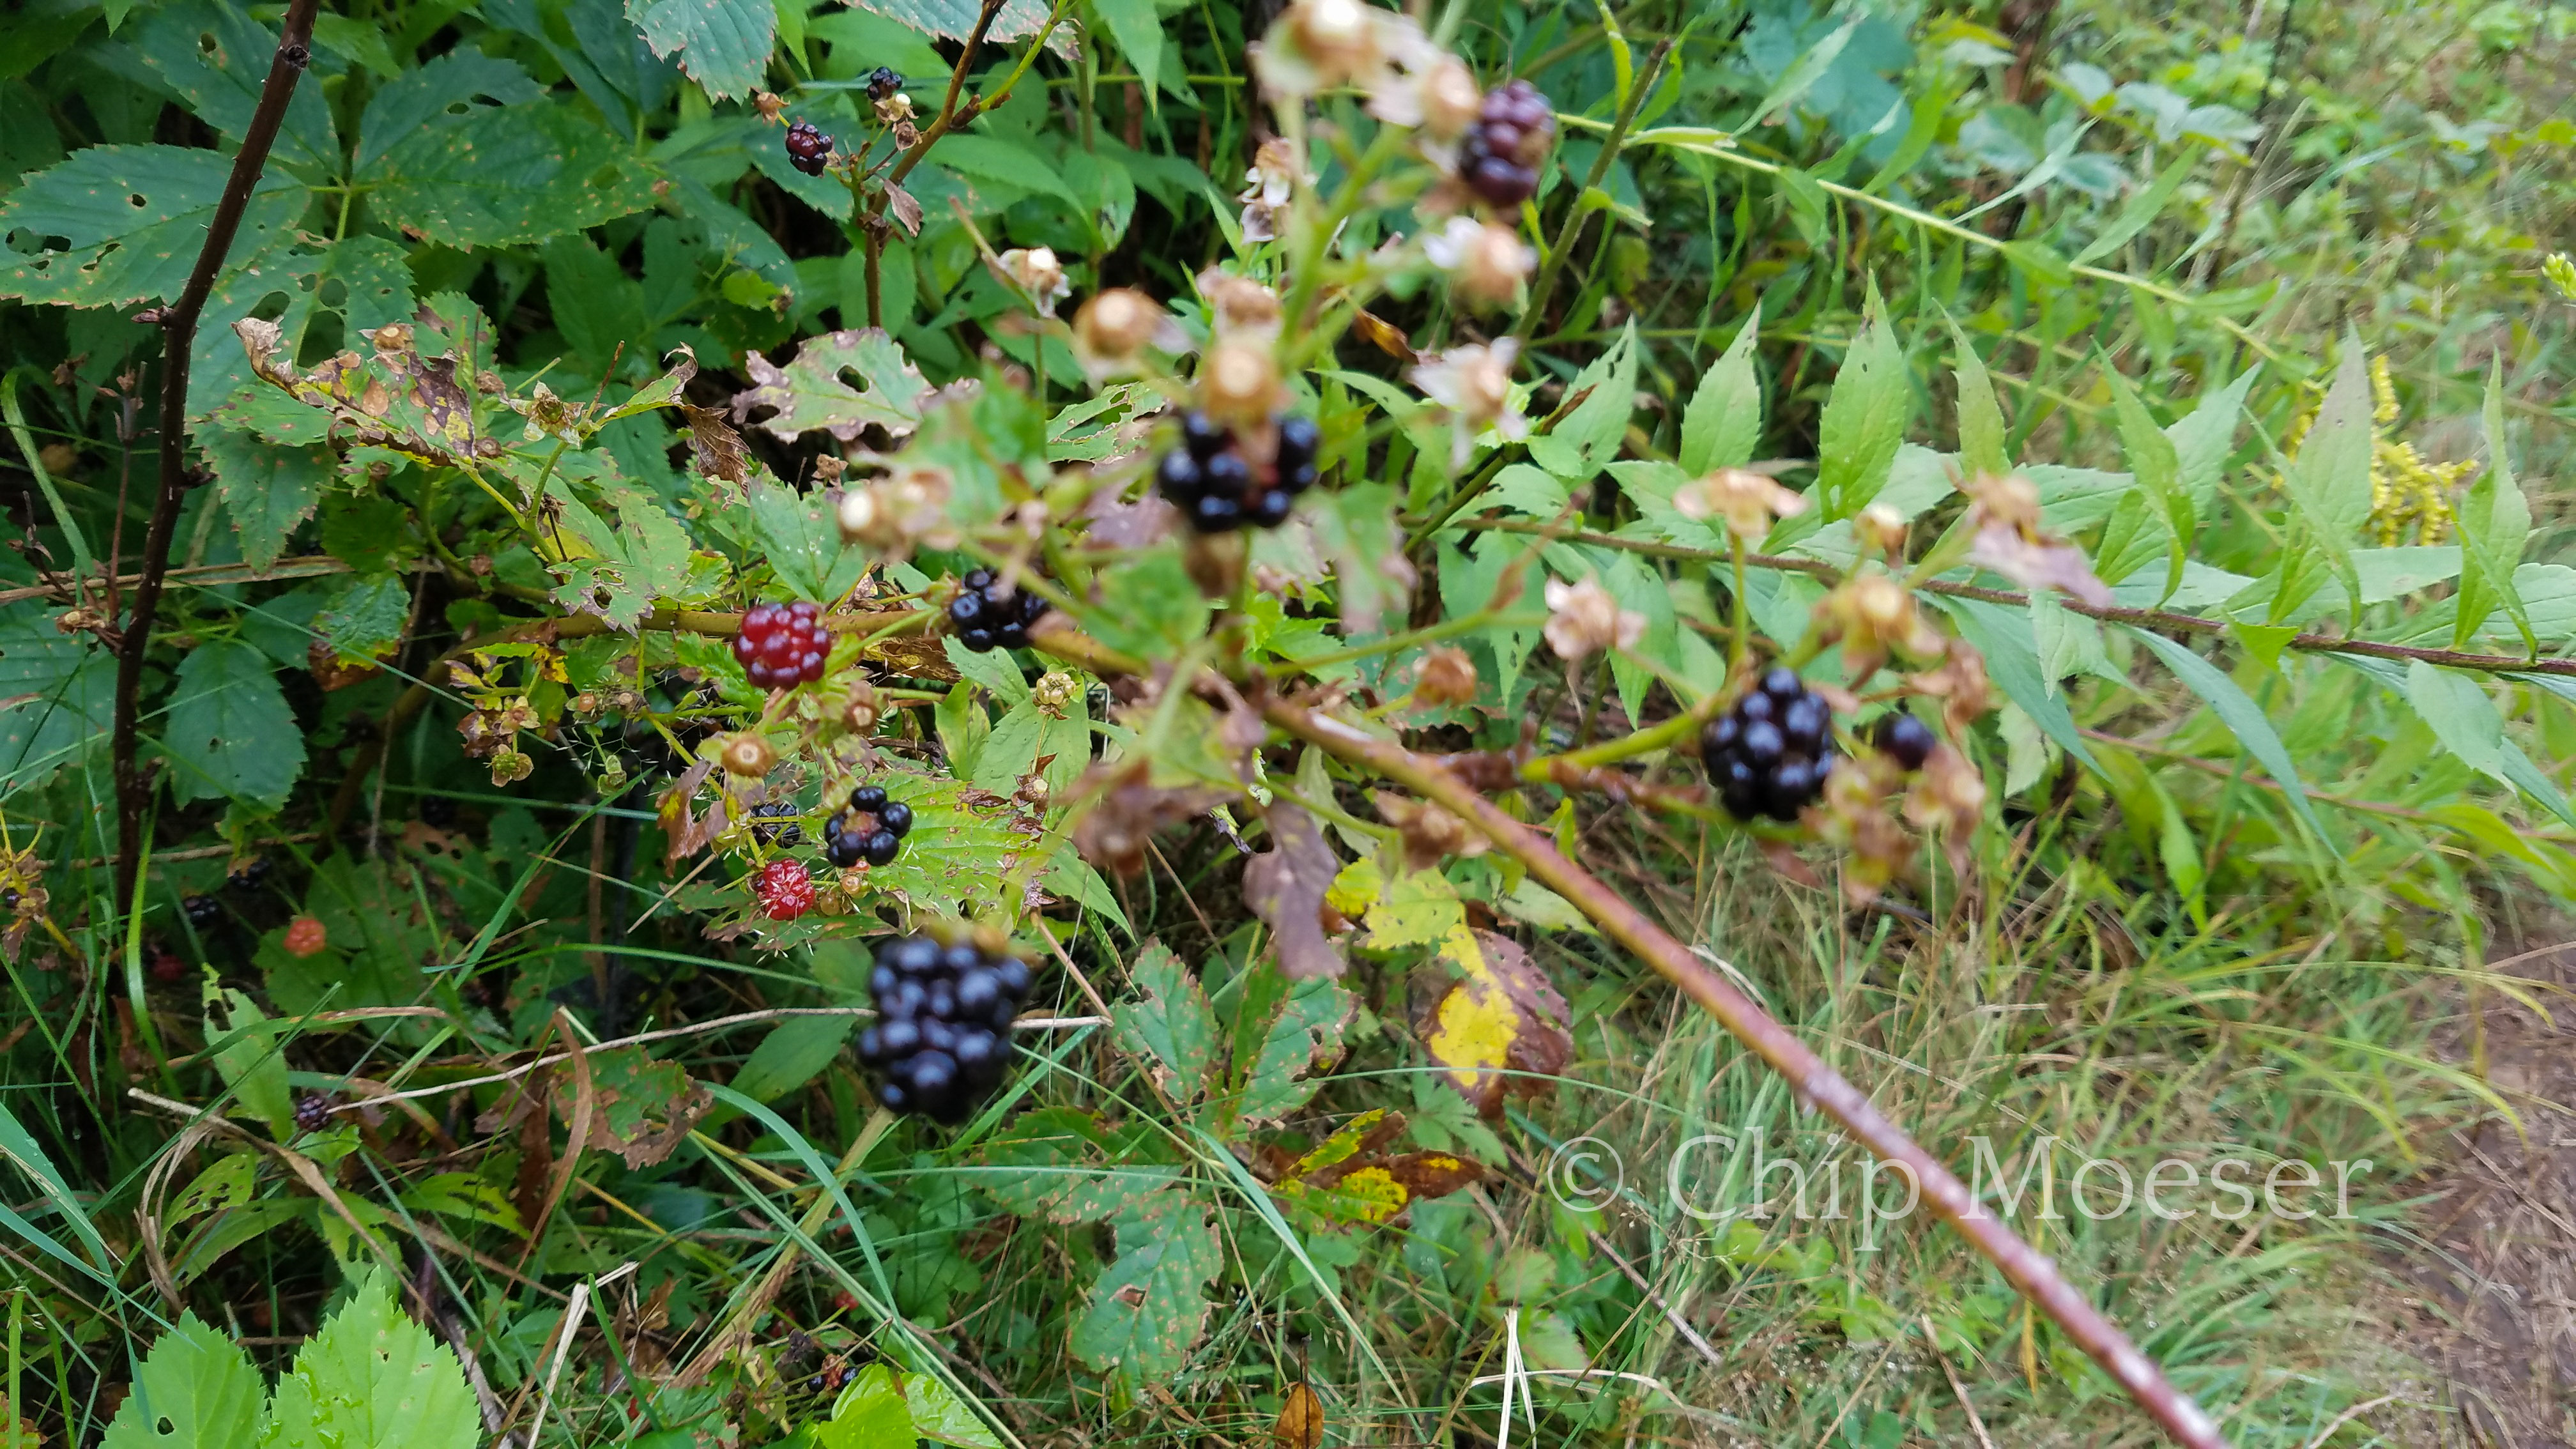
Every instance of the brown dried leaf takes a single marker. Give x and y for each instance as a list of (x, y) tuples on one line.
[(1113, 833), (906, 208), (687, 834), (1300, 1424), (715, 445), (1433, 1174), (1285, 887)]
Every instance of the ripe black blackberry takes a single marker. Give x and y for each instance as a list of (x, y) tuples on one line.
[(1511, 138), (943, 1032), (1769, 755), (1905, 739), (1218, 488), (203, 911), (883, 82), (248, 875), (985, 620), (789, 835), (872, 829), (437, 812), (808, 149), (782, 644), (312, 1112)]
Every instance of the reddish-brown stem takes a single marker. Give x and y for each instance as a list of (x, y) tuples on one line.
[(2110, 613), (179, 334), (2029, 1271)]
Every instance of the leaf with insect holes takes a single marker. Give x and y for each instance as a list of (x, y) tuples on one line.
[(198, 1382), (132, 219), (955, 19), (374, 1379), (810, 394), (1501, 1025), (507, 175), (216, 60), (1168, 1023), (267, 489), (1286, 886), (1150, 1304), (1065, 1166)]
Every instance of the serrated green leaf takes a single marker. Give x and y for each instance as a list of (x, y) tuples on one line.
[(1981, 419), (57, 694), (1302, 1038), (197, 1381), (1723, 423), (1061, 1164), (599, 308), (2203, 437), (1138, 28), (964, 845), (366, 618), (1170, 1022), (216, 59), (229, 731), (2495, 520), (1803, 73), (955, 19), (2329, 480), (373, 1379), (1150, 1305), (1149, 606), (2463, 718), (1586, 439), (2157, 469), (2240, 714), (795, 1052), (414, 98), (810, 394), (2141, 209), (801, 542), (1864, 420), (132, 219), (2069, 643), (994, 158), (503, 174), (993, 669), (723, 45)]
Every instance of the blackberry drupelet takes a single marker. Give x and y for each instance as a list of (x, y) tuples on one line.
[(1769, 755), (1502, 152), (1218, 488), (1904, 739), (985, 620), (808, 149), (943, 1034), (782, 644), (203, 911), (784, 889), (871, 830)]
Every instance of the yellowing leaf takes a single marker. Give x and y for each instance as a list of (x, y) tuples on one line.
[(1415, 909), (1500, 1025)]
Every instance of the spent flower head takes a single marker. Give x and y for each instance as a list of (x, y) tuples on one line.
[(1748, 502), (1584, 619), (1487, 262), (1037, 273), (1473, 385)]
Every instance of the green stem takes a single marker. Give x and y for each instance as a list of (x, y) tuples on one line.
[(1571, 230), (63, 519)]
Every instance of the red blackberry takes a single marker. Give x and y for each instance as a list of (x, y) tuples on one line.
[(203, 911), (808, 149), (312, 1112), (883, 82), (1769, 755), (1503, 150), (943, 1032), (872, 829), (1217, 488), (1905, 739), (985, 619), (163, 963), (782, 644), (784, 890)]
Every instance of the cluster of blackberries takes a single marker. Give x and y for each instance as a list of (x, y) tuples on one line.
[(1771, 753), (872, 829), (1513, 134), (943, 1032), (986, 620), (808, 149), (1210, 480), (312, 1112), (1906, 740), (790, 834), (782, 644), (883, 82), (249, 875), (785, 890), (203, 911), (438, 812)]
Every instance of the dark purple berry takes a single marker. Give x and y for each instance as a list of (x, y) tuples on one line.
[(883, 82), (1905, 739), (895, 816), (312, 1112), (1501, 156), (870, 798), (203, 911), (1771, 753), (808, 149), (943, 1035)]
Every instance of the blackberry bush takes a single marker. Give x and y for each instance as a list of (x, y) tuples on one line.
[(1218, 487), (1503, 151), (943, 1034), (782, 644), (1769, 755), (985, 619), (871, 830)]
